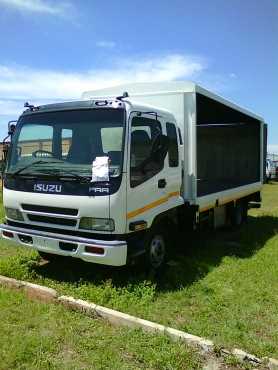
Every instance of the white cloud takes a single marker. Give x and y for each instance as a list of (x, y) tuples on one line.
[(106, 44), (10, 107), (272, 148), (58, 8), (19, 82)]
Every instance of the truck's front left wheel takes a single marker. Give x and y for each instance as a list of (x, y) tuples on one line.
[(156, 251)]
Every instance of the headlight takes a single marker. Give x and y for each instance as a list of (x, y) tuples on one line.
[(99, 224), (14, 214)]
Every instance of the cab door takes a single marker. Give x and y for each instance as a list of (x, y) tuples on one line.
[(147, 186)]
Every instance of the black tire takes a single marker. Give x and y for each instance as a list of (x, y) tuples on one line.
[(156, 253), (239, 214), (49, 256)]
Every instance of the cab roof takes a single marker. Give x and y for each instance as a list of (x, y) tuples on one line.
[(77, 104), (100, 103)]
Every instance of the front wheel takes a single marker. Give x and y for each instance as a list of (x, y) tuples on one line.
[(156, 251)]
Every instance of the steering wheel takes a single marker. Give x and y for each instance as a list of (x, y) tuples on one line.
[(44, 153)]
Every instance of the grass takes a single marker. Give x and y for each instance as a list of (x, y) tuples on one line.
[(40, 336), (221, 285)]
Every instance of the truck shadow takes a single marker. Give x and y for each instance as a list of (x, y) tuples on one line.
[(201, 252), (195, 256)]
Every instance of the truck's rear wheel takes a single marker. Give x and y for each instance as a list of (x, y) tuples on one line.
[(239, 215)]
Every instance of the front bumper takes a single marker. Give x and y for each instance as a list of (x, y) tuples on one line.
[(114, 252)]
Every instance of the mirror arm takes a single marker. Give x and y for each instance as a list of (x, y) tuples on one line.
[(11, 127), (5, 145)]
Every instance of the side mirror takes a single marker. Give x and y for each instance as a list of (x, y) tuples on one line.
[(159, 148), (5, 144), (5, 150), (11, 127)]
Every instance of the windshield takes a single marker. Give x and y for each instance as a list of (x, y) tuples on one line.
[(67, 142)]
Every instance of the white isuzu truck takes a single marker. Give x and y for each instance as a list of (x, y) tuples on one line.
[(113, 176)]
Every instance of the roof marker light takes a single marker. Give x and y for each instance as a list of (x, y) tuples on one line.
[(101, 103), (125, 95)]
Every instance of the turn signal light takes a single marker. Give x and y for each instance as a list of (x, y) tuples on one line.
[(7, 234), (94, 249)]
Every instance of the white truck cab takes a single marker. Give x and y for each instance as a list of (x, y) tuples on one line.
[(109, 178), (51, 202)]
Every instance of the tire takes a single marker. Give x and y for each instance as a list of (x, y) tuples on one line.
[(156, 250), (49, 256), (239, 214)]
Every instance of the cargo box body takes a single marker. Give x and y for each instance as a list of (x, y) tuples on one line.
[(223, 144)]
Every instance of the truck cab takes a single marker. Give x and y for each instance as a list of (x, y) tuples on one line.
[(57, 200)]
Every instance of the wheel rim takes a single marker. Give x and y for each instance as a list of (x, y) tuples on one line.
[(157, 251)]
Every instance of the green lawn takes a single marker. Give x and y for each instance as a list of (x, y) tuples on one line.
[(40, 336), (223, 285)]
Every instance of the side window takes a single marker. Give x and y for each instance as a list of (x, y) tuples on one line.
[(66, 137), (173, 152), (145, 128), (143, 132)]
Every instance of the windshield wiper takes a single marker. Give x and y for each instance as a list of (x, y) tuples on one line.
[(53, 171), (80, 177), (30, 165), (59, 173)]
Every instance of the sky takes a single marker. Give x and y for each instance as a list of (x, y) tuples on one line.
[(54, 50)]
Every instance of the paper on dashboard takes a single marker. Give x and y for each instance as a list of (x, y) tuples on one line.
[(100, 169)]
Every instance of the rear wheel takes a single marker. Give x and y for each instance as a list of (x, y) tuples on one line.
[(239, 214)]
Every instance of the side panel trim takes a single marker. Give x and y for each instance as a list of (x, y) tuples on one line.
[(152, 205), (207, 202)]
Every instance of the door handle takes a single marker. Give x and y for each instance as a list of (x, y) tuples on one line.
[(162, 183)]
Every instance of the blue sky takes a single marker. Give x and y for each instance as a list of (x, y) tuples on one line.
[(54, 50)]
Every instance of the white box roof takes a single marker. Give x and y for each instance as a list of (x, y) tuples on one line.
[(163, 88)]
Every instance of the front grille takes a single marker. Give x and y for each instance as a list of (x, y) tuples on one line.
[(69, 247), (52, 220), (46, 209), (81, 234)]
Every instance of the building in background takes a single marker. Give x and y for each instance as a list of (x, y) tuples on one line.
[(273, 164)]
